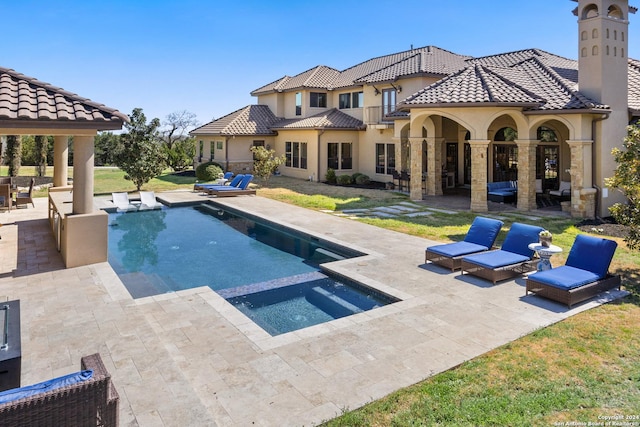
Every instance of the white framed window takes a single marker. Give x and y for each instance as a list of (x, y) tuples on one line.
[(296, 155)]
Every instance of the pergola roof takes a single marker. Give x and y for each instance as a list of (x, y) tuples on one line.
[(26, 102)]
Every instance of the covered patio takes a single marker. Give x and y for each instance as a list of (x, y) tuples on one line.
[(31, 107)]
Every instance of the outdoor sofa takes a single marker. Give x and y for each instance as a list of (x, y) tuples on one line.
[(584, 275), (502, 191), (88, 402)]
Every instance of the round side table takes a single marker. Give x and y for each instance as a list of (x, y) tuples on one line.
[(545, 254)]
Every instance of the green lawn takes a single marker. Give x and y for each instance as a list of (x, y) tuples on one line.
[(576, 371)]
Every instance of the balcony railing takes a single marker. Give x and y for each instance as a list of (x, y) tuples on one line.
[(374, 115)]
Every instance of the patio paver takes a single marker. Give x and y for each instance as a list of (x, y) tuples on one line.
[(189, 358)]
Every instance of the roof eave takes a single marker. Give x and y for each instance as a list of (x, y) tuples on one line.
[(405, 107), (570, 111), (115, 124)]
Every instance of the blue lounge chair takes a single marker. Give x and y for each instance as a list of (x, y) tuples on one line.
[(584, 275), (234, 183), (512, 259), (481, 236), (225, 178), (241, 189)]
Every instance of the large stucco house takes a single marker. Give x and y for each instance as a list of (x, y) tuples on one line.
[(450, 120)]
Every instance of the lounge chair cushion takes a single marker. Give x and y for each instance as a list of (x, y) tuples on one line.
[(565, 277), (593, 254), (483, 232), (519, 237), (49, 385), (496, 259), (456, 249)]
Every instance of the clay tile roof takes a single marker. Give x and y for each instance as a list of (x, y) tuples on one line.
[(330, 119), (530, 78), (28, 102), (249, 120), (428, 60), (319, 77), (634, 86)]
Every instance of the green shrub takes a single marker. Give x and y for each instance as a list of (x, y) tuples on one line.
[(354, 177), (330, 177), (208, 171), (344, 180), (362, 179)]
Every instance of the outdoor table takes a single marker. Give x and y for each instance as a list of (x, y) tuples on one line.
[(545, 253)]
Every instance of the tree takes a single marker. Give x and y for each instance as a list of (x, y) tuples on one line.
[(627, 179), (265, 162), (180, 148), (40, 153), (139, 153), (106, 143), (14, 154)]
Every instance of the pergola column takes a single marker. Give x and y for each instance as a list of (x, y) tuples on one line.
[(397, 152), (415, 190), (206, 150), (479, 150), (434, 166), (83, 174), (527, 173), (583, 195), (60, 161)]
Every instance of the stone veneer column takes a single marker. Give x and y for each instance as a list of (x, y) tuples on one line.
[(527, 173), (583, 195), (479, 174), (60, 161), (83, 174), (415, 189), (434, 166)]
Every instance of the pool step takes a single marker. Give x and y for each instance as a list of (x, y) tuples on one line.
[(331, 303), (142, 285), (270, 284)]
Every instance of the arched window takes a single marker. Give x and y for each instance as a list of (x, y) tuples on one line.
[(594, 51), (583, 35), (607, 49), (594, 33), (506, 134), (622, 36), (607, 33), (545, 134), (622, 52), (615, 34), (615, 51), (584, 52)]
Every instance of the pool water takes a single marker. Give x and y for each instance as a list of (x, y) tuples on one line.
[(269, 272)]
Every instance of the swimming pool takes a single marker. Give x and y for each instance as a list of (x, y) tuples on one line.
[(256, 265)]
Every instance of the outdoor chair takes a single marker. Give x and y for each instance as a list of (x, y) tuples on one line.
[(86, 398), (228, 190), (563, 192), (24, 198), (584, 275), (121, 200), (233, 183), (148, 201), (5, 196), (225, 180), (512, 259), (481, 236)]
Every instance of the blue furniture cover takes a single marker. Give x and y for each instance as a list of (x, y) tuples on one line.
[(49, 385), (588, 262), (481, 236), (235, 182), (242, 185), (514, 250)]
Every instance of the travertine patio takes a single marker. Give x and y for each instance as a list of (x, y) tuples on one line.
[(189, 358)]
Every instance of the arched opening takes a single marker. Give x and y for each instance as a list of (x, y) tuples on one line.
[(590, 11), (615, 12)]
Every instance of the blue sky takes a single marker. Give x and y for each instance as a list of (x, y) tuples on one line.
[(207, 56)]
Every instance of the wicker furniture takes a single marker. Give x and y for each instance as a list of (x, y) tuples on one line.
[(93, 402), (584, 275), (512, 259), (481, 236)]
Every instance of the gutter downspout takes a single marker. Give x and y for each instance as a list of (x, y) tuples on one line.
[(593, 162)]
